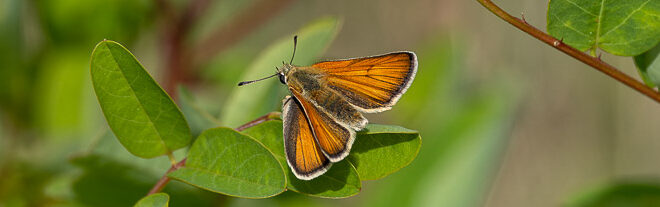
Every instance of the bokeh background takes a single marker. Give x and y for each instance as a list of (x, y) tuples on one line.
[(505, 120)]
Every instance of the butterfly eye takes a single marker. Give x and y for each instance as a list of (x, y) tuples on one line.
[(282, 78)]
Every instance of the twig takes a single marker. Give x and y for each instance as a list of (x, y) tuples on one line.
[(164, 180), (268, 116), (240, 26), (594, 62)]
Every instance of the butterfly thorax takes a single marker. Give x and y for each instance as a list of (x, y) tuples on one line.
[(305, 78)]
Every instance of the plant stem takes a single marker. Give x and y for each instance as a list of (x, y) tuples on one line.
[(594, 62), (164, 180), (172, 159), (268, 116)]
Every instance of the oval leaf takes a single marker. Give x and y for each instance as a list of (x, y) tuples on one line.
[(380, 150), (247, 102), (225, 161), (340, 181), (648, 65), (624, 28), (154, 200), (142, 116)]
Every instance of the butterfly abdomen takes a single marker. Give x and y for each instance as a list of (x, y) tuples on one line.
[(337, 107)]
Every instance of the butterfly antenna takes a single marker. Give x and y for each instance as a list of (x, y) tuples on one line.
[(252, 81), (295, 42)]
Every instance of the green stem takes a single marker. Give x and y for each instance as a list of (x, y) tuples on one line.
[(594, 62), (592, 52), (172, 159)]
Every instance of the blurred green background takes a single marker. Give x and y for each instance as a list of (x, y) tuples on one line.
[(505, 120)]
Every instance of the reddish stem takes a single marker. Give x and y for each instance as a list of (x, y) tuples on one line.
[(164, 180)]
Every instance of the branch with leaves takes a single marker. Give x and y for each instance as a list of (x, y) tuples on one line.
[(247, 161), (574, 31)]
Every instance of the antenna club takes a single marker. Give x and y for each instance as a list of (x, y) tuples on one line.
[(252, 81), (295, 44)]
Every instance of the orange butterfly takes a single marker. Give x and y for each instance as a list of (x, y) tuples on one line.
[(329, 97)]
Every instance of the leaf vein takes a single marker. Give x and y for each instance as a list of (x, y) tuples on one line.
[(627, 18), (581, 8)]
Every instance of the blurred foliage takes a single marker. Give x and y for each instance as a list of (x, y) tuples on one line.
[(624, 193), (55, 148), (126, 177)]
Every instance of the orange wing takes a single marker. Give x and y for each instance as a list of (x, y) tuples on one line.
[(302, 153), (335, 139), (372, 84)]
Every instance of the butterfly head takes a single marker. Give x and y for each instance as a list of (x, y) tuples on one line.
[(283, 71)]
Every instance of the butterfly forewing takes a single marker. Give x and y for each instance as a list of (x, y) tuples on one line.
[(372, 84), (334, 139), (303, 155)]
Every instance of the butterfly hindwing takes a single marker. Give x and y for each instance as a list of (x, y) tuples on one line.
[(334, 138), (372, 84), (303, 155)]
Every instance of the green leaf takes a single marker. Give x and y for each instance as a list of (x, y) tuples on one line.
[(340, 181), (61, 109), (250, 101), (637, 194), (624, 28), (648, 65), (142, 116), (154, 200), (225, 161), (381, 150), (198, 119)]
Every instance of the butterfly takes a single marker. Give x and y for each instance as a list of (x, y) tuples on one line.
[(324, 111)]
